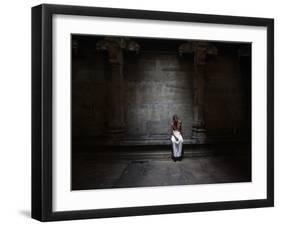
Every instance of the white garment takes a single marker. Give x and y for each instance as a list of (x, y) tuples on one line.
[(177, 144)]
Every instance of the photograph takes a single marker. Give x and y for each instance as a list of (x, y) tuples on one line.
[(140, 112), (151, 112)]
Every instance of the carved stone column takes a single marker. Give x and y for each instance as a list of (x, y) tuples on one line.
[(200, 51), (114, 46)]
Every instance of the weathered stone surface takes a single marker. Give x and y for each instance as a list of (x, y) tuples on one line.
[(200, 50), (154, 167), (115, 114), (226, 93), (156, 94), (158, 84)]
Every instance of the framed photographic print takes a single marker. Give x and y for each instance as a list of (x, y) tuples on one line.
[(145, 112)]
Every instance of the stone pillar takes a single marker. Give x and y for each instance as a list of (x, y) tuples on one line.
[(200, 51), (116, 125)]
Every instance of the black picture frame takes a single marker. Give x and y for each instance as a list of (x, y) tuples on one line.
[(42, 111)]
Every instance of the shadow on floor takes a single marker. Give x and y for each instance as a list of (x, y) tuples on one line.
[(142, 167)]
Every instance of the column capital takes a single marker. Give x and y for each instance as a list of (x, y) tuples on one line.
[(200, 49), (115, 46)]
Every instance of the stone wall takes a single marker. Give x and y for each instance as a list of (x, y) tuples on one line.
[(227, 99), (158, 84), (89, 95)]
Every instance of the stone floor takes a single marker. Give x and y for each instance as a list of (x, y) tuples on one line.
[(99, 170)]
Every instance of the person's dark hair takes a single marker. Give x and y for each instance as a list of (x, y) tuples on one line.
[(175, 117)]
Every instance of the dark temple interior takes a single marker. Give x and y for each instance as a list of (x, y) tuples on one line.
[(125, 91)]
